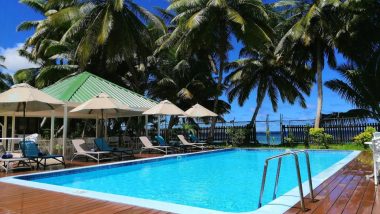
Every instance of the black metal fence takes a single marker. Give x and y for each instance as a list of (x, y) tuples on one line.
[(341, 133), (202, 133)]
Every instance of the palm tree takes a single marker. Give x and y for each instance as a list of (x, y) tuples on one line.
[(108, 33), (5, 79), (43, 46), (184, 82), (360, 85), (263, 72), (311, 39), (359, 38), (209, 25)]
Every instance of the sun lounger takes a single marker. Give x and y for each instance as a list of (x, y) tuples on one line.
[(81, 150), (30, 150), (149, 146), (104, 147), (186, 143), (194, 139), (6, 163), (161, 141)]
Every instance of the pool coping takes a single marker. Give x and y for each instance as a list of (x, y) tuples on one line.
[(279, 205)]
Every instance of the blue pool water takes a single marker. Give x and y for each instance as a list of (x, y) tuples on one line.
[(224, 181)]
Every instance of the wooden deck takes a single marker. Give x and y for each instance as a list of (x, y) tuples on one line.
[(348, 191)]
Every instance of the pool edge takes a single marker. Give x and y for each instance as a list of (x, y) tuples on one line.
[(291, 198), (279, 205)]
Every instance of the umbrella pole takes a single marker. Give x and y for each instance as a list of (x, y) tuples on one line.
[(24, 107)]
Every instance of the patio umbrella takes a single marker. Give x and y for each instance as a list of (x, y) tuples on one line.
[(199, 111), (104, 104), (164, 108), (23, 97)]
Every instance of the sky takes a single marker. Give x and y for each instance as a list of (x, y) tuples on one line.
[(12, 13)]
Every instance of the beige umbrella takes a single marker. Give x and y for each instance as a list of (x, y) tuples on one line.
[(199, 111), (23, 97), (164, 108), (104, 104)]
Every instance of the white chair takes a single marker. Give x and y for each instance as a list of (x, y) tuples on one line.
[(78, 143), (375, 146), (376, 135), (376, 158), (186, 143), (149, 146)]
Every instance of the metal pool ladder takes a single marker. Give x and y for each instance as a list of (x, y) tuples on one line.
[(279, 157)]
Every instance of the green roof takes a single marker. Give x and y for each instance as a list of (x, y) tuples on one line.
[(84, 86)]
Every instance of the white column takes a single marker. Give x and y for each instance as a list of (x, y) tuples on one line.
[(64, 135), (146, 125), (5, 133), (105, 126), (52, 121), (2, 133), (13, 133), (158, 125), (97, 126)]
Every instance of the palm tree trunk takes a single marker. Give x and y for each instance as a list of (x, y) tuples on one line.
[(256, 112), (222, 51), (320, 87), (216, 101), (252, 124)]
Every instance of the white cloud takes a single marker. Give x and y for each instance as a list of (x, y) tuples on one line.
[(13, 61)]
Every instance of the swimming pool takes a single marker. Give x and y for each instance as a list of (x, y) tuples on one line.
[(206, 182)]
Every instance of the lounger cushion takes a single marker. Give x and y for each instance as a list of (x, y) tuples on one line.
[(160, 140), (193, 138), (30, 149), (102, 145)]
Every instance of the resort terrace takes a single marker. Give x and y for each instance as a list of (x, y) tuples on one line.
[(190, 106), (342, 181), (347, 191)]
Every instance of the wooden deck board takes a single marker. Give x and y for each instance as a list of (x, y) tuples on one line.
[(347, 191)]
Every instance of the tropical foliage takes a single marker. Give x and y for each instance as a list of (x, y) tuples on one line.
[(181, 53), (5, 79), (319, 137), (311, 38), (360, 86), (365, 136)]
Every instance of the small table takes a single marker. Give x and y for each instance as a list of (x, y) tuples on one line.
[(7, 163)]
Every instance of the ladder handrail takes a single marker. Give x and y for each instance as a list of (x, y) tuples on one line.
[(299, 180)]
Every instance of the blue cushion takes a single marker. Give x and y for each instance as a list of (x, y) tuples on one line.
[(193, 138), (102, 145), (29, 149), (160, 140), (7, 156)]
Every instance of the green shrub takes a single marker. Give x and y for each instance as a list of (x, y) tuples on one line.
[(365, 136), (319, 137), (289, 141), (237, 135), (189, 128)]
